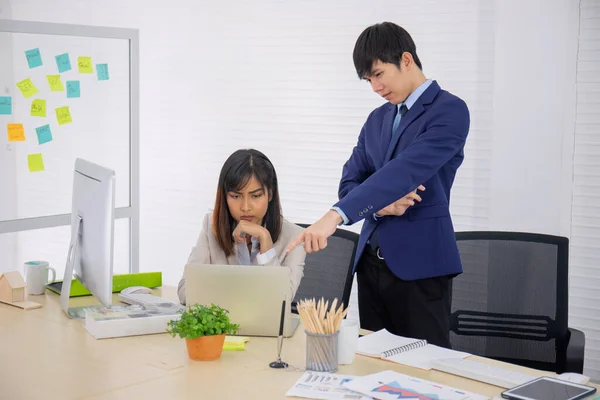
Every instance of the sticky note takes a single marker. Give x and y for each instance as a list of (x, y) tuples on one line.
[(63, 115), (235, 343), (16, 133), (44, 134), (85, 65), (5, 105), (34, 58), (38, 108), (63, 62), (35, 162), (55, 83), (73, 89), (27, 88), (102, 70)]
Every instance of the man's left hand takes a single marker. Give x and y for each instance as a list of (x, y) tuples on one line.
[(315, 236)]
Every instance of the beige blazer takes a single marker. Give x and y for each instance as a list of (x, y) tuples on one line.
[(207, 251)]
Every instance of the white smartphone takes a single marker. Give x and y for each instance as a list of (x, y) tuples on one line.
[(545, 388)]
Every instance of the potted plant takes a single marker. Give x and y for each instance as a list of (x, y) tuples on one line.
[(204, 329)]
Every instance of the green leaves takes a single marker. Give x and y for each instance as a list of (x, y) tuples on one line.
[(199, 320)]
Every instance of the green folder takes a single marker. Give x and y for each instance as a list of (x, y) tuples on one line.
[(120, 282)]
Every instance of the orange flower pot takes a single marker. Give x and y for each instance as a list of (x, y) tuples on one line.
[(205, 348)]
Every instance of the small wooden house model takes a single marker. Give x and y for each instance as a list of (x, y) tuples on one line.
[(12, 287)]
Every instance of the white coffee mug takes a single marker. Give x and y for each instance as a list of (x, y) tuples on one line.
[(36, 276), (347, 341)]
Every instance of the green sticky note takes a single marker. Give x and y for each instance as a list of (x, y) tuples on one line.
[(34, 58), (55, 83), (35, 162), (5, 105), (27, 88), (63, 62), (44, 134), (102, 70), (63, 115), (73, 89), (38, 108), (85, 65)]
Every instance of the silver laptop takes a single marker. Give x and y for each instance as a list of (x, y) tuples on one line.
[(253, 294)]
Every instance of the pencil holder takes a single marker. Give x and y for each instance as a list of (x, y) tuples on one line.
[(321, 352)]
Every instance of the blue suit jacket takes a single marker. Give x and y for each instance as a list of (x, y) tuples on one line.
[(421, 243)]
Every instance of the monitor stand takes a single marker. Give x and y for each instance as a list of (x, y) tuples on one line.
[(72, 312)]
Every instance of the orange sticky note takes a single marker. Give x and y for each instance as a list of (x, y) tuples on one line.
[(16, 133), (35, 162)]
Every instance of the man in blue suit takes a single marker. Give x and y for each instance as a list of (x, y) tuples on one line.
[(398, 179)]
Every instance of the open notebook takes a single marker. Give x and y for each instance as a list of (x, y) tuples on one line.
[(413, 352)]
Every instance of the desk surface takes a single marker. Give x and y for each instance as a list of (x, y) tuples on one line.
[(44, 354)]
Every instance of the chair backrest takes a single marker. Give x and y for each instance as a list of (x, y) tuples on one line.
[(511, 301), (328, 273)]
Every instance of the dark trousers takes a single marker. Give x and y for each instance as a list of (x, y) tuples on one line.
[(416, 309)]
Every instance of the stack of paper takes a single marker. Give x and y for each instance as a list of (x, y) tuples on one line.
[(390, 385), (386, 385), (325, 386)]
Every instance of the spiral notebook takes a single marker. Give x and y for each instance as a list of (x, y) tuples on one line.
[(413, 352)]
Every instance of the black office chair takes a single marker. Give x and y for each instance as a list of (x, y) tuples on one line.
[(511, 301), (328, 273)]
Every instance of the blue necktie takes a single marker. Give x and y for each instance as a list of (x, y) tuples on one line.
[(402, 111), (374, 240)]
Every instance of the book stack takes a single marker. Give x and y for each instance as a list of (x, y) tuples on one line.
[(132, 320)]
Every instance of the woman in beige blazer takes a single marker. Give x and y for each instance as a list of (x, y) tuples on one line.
[(246, 226)]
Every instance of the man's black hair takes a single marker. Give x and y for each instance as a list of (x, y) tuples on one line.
[(386, 42)]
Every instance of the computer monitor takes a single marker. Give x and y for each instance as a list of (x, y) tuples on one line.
[(90, 255)]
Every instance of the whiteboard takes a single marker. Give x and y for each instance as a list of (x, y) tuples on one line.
[(99, 130)]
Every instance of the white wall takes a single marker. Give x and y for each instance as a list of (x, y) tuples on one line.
[(8, 175), (534, 115)]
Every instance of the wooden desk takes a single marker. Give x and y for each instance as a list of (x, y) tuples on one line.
[(46, 355)]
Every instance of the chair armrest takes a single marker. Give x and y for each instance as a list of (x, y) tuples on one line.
[(575, 351)]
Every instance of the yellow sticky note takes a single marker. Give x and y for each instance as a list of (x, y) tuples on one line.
[(27, 88), (236, 339), (38, 108), (63, 115), (35, 162), (55, 83), (85, 65), (16, 133), (235, 343)]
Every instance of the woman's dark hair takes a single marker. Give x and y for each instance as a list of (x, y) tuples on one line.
[(237, 171), (385, 42)]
